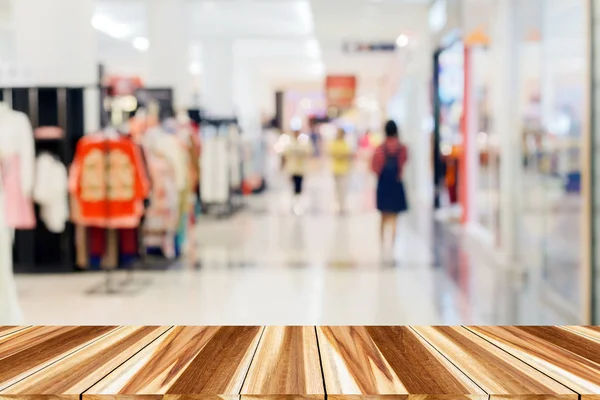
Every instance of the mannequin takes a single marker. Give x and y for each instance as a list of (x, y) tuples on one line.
[(10, 312)]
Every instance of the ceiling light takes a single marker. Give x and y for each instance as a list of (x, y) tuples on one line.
[(141, 43), (195, 68), (110, 27), (402, 41)]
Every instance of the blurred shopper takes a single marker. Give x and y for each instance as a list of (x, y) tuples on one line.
[(315, 139), (388, 163), (341, 163), (297, 155)]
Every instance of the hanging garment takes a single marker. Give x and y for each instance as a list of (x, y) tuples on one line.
[(215, 170), (108, 182), (51, 192), (160, 223), (17, 153)]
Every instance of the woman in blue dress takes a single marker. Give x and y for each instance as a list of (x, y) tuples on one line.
[(388, 164)]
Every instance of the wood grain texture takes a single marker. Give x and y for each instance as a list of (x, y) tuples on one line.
[(31, 350), (80, 370), (286, 365), (7, 330), (566, 356), (196, 362), (495, 371), (589, 331), (378, 362)]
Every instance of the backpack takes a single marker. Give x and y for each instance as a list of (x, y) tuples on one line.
[(391, 170)]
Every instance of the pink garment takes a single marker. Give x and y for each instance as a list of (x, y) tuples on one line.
[(18, 208)]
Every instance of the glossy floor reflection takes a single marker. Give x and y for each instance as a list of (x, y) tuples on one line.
[(265, 265)]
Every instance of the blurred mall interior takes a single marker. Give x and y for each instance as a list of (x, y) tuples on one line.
[(211, 162)]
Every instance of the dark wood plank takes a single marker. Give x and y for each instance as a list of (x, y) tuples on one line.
[(72, 375), (566, 356), (31, 350), (378, 362), (195, 362), (286, 365), (494, 370)]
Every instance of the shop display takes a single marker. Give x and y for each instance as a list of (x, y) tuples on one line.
[(322, 362), (57, 118)]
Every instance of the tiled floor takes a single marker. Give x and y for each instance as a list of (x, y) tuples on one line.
[(267, 266)]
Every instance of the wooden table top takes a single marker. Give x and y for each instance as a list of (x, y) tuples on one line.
[(295, 363)]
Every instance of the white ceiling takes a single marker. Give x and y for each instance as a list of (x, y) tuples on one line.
[(285, 40)]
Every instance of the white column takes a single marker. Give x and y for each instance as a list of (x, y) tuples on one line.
[(217, 91), (505, 92), (168, 54), (247, 100), (55, 42)]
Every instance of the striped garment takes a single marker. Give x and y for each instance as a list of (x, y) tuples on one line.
[(389, 147)]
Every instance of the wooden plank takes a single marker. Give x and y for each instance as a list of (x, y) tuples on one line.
[(20, 340), (286, 365), (495, 371), (380, 362), (196, 362), (7, 330), (31, 350), (569, 358), (589, 331), (69, 377)]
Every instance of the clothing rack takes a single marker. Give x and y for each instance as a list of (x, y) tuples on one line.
[(39, 250), (109, 286)]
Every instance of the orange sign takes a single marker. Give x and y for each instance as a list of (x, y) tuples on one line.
[(340, 91)]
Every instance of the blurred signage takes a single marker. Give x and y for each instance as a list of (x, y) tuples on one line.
[(477, 38), (438, 16), (341, 90), (379, 47)]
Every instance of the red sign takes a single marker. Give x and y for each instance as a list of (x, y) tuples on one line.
[(340, 91)]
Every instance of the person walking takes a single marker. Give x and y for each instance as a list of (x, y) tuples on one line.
[(341, 163), (296, 157), (388, 164)]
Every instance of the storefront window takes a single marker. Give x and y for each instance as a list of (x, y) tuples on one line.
[(451, 95), (595, 159), (552, 56), (487, 183)]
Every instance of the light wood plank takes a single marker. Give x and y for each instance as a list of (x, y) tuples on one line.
[(569, 358), (378, 362), (589, 331), (24, 354), (286, 364), (7, 330), (495, 371), (196, 362), (77, 372)]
